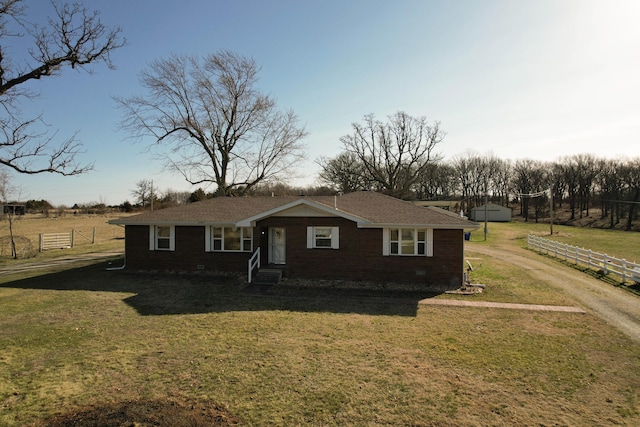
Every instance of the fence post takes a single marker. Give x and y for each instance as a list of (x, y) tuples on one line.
[(589, 259), (605, 261), (93, 236), (624, 270), (40, 242), (73, 236)]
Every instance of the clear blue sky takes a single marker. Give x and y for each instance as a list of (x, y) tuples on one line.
[(535, 79)]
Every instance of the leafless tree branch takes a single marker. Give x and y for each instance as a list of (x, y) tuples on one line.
[(211, 124), (74, 37), (394, 154)]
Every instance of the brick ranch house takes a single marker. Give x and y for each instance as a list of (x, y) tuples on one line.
[(356, 236)]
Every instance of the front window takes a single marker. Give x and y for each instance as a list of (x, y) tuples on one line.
[(322, 237), (163, 237), (234, 239), (407, 241)]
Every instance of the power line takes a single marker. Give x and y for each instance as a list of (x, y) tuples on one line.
[(533, 195)]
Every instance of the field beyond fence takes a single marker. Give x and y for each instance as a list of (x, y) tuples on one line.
[(607, 265), (78, 233)]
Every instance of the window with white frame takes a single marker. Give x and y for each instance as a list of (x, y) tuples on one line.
[(408, 241), (229, 239), (161, 237), (323, 237)]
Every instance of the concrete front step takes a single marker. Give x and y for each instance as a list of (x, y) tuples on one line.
[(267, 276)]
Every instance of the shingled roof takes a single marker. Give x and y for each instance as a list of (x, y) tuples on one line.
[(367, 208)]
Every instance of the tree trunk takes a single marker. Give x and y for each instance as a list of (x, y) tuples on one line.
[(613, 212), (14, 253), (632, 209)]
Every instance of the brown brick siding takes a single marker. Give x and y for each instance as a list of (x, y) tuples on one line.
[(360, 254), (188, 255), (358, 258)]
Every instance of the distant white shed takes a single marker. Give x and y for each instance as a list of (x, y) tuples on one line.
[(495, 213)]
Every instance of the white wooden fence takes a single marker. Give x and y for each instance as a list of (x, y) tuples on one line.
[(627, 271), (55, 241), (62, 240)]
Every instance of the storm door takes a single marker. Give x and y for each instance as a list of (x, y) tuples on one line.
[(277, 245)]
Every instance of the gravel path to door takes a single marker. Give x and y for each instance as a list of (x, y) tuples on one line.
[(487, 304), (616, 306)]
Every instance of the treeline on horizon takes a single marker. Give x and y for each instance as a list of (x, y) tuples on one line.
[(578, 183)]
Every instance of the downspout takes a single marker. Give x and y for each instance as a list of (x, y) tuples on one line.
[(121, 267)]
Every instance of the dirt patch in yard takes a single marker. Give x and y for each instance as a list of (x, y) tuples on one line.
[(143, 413)]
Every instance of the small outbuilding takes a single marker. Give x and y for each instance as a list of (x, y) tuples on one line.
[(13, 209), (495, 213)]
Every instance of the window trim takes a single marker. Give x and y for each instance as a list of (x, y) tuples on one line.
[(428, 242), (312, 236), (210, 245), (153, 238)]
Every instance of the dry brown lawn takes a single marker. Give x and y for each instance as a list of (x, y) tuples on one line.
[(82, 346), (83, 339)]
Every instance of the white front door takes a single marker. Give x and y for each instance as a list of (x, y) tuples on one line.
[(277, 245)]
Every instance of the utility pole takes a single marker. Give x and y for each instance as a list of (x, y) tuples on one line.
[(151, 195)]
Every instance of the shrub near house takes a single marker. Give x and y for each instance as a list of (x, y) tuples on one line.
[(356, 236)]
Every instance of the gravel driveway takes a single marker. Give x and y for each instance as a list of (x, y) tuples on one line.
[(617, 306)]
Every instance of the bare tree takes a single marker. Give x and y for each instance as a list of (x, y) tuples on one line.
[(631, 178), (394, 154), (345, 173), (611, 185), (437, 180), (462, 168), (525, 181), (73, 37), (7, 191), (588, 171), (172, 197), (478, 175), (501, 173), (143, 193), (558, 183), (212, 122)]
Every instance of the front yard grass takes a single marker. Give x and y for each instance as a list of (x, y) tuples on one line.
[(89, 337)]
